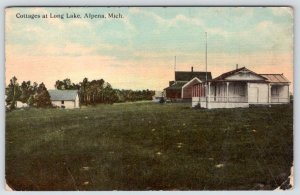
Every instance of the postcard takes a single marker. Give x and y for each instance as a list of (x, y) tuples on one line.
[(149, 98)]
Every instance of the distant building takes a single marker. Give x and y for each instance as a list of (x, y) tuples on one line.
[(181, 88), (64, 98), (240, 88), (20, 104), (158, 95)]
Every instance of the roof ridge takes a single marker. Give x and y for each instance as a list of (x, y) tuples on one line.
[(230, 72), (57, 94), (272, 74), (193, 71)]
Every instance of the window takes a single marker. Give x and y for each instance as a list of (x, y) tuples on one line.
[(239, 89), (62, 102), (235, 89), (275, 91)]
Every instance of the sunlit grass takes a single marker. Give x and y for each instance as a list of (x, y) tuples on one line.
[(148, 146)]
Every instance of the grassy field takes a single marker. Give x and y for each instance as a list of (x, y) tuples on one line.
[(149, 146)]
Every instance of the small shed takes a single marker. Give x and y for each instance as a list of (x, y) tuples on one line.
[(20, 104), (64, 98)]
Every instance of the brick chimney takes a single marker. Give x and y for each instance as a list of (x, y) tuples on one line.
[(192, 69)]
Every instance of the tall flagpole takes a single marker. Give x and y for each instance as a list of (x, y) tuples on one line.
[(205, 56), (174, 64)]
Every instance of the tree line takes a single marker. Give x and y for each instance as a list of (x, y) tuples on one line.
[(99, 91), (90, 92), (33, 94)]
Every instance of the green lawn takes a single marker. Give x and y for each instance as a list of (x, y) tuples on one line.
[(147, 146)]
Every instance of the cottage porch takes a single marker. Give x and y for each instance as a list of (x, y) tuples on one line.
[(238, 94)]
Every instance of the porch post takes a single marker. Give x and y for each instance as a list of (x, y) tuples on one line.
[(269, 93), (208, 92), (227, 94), (289, 94), (248, 92)]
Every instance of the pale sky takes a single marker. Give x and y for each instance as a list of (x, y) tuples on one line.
[(137, 51)]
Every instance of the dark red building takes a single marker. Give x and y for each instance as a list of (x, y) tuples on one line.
[(181, 88)]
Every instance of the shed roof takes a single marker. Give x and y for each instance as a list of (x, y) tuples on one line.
[(59, 95), (187, 76), (177, 85), (275, 78)]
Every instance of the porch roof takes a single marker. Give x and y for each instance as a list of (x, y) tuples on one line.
[(177, 85), (239, 81), (275, 78)]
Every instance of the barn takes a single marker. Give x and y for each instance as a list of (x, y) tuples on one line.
[(241, 88), (181, 88), (64, 98)]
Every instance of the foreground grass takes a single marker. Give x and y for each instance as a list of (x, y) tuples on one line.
[(148, 147)]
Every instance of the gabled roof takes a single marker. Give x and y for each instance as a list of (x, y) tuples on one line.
[(227, 74), (187, 76), (191, 81), (59, 95), (275, 78), (177, 85)]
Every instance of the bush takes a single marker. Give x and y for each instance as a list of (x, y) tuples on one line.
[(161, 100)]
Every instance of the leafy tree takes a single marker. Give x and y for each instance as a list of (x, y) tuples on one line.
[(30, 100), (25, 91), (66, 84), (13, 93), (130, 95), (109, 94), (82, 90), (42, 97), (59, 84), (99, 91)]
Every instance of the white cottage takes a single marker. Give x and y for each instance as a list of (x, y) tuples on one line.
[(64, 98), (241, 88)]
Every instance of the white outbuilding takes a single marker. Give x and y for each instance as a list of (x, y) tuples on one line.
[(157, 96), (20, 104), (64, 98)]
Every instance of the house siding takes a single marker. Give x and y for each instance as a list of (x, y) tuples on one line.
[(173, 94), (244, 76), (64, 98), (188, 89), (262, 93), (69, 104), (77, 101)]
